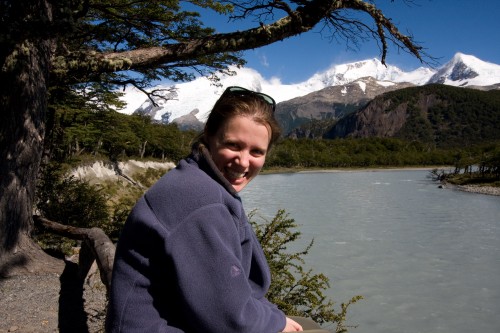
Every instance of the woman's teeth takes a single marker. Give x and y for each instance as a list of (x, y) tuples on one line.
[(235, 175)]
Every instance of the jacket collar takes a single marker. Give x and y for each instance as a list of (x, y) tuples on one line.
[(201, 155)]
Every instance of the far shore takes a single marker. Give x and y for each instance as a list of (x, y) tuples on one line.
[(478, 188), (371, 169), (375, 169)]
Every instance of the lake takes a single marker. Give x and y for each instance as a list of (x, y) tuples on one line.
[(425, 259)]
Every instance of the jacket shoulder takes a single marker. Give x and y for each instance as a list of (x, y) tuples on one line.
[(186, 189)]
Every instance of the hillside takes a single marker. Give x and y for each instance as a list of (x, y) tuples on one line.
[(333, 102), (442, 115)]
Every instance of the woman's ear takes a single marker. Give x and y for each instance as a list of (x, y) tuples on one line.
[(205, 139)]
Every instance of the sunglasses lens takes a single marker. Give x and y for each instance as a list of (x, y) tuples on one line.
[(240, 90)]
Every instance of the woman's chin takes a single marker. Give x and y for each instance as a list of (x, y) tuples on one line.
[(239, 184)]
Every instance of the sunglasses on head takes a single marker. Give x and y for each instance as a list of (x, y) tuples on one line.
[(240, 91)]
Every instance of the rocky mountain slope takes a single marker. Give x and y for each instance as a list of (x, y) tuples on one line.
[(437, 114), (332, 102)]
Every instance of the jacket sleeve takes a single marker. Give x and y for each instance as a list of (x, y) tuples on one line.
[(215, 290), (131, 307)]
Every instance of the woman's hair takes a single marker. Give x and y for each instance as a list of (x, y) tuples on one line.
[(252, 106)]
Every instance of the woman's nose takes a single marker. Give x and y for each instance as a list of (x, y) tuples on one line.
[(243, 159)]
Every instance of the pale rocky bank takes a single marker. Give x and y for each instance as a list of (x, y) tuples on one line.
[(480, 189)]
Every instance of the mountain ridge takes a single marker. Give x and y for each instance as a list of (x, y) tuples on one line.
[(462, 70)]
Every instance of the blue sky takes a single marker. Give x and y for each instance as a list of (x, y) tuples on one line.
[(443, 27)]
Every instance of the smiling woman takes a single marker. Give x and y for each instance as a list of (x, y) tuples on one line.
[(239, 150), (239, 132), (187, 259)]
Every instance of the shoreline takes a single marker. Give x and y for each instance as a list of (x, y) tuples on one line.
[(477, 189), (371, 169)]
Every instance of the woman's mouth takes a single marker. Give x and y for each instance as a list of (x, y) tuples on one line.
[(234, 175)]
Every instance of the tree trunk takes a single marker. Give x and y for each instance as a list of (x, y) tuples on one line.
[(23, 103), (142, 150)]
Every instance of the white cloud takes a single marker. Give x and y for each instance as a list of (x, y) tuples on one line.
[(263, 61)]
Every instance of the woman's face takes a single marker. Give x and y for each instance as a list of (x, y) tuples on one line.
[(239, 150)]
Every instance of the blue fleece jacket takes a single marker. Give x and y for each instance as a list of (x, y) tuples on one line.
[(188, 260)]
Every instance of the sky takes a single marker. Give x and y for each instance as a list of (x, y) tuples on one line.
[(442, 27)]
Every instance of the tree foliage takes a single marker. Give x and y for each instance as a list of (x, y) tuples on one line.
[(112, 135), (79, 133), (87, 203), (351, 152), (473, 165)]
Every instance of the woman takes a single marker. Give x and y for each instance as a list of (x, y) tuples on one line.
[(187, 259)]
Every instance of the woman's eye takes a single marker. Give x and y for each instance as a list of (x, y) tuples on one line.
[(258, 152)]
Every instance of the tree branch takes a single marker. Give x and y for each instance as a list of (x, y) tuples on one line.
[(77, 67), (96, 246)]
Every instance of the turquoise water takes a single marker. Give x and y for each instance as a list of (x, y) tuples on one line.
[(425, 259)]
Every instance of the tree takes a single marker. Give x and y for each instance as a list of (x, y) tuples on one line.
[(87, 45)]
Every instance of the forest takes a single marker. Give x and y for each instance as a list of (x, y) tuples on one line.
[(79, 135), (458, 117)]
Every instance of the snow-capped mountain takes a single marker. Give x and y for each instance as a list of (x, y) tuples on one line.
[(466, 70), (347, 73), (201, 94)]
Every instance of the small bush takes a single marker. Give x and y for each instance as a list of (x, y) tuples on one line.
[(68, 201), (297, 292)]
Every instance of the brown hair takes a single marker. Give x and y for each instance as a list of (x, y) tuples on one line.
[(249, 105)]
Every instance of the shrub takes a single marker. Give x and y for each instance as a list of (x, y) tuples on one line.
[(68, 201), (296, 291)]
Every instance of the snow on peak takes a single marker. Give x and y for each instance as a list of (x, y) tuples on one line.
[(467, 70), (465, 58), (346, 73)]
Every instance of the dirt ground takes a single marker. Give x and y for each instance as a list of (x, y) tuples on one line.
[(53, 302)]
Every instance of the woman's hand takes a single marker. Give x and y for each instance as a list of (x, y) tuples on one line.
[(292, 326)]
